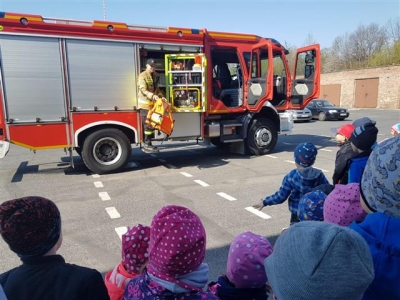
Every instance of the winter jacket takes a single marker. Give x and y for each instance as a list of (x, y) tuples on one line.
[(382, 233), (116, 281), (143, 287), (295, 185), (343, 155), (49, 277), (357, 165), (225, 290)]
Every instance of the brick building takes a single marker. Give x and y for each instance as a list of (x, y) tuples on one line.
[(365, 88)]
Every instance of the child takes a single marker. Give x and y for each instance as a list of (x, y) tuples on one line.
[(380, 198), (342, 206), (311, 206), (298, 182), (363, 139), (318, 260), (176, 252), (245, 277), (134, 257), (395, 130), (31, 226), (344, 154)]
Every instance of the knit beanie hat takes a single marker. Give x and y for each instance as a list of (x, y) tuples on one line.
[(135, 243), (380, 183), (305, 154), (318, 260), (31, 226), (346, 130), (311, 206), (246, 257), (177, 244), (364, 137), (396, 128), (342, 206), (362, 121)]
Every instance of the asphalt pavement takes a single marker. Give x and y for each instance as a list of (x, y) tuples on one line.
[(220, 187)]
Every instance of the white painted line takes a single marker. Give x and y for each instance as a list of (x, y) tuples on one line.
[(121, 230), (323, 170), (258, 213), (104, 196), (96, 176), (202, 183), (186, 174), (226, 196), (328, 136), (268, 155), (113, 213), (170, 166), (153, 155), (132, 165), (327, 150), (290, 161), (98, 184), (162, 160), (286, 143)]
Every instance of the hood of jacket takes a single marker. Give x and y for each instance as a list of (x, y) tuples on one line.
[(227, 291), (382, 233), (308, 175)]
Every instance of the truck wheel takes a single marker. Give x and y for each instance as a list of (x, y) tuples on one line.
[(106, 150), (262, 136)]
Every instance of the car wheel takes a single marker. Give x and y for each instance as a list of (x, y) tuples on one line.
[(322, 116)]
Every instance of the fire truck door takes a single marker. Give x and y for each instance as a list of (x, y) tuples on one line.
[(306, 77), (260, 81)]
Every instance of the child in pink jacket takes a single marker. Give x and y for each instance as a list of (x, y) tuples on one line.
[(135, 244)]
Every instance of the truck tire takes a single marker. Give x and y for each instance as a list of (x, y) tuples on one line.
[(261, 137), (106, 151)]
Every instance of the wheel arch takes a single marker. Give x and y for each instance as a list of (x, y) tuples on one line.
[(83, 132), (269, 112)]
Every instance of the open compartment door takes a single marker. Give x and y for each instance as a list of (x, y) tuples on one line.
[(306, 77), (260, 82)]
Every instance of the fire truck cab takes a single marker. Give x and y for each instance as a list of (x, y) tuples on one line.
[(72, 84)]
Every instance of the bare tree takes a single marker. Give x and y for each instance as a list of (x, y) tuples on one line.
[(393, 29), (310, 40)]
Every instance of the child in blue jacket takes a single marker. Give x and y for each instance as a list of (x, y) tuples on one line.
[(298, 182)]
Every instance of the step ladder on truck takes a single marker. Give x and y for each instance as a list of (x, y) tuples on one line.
[(72, 85)]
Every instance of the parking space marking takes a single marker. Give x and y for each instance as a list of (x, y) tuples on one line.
[(186, 174), (327, 150), (162, 160), (121, 231), (104, 196), (202, 183), (96, 176), (132, 165), (113, 213), (98, 184), (290, 161), (169, 166), (153, 155), (268, 155), (287, 143), (226, 196), (258, 213)]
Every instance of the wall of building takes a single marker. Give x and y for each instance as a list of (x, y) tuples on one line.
[(389, 85)]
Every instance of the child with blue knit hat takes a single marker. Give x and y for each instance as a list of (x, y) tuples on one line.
[(297, 182)]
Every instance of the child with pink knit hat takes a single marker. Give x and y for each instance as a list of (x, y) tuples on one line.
[(245, 277), (135, 244), (176, 253), (342, 206), (395, 130)]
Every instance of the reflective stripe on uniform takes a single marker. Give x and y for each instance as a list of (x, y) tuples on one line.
[(146, 101), (148, 132)]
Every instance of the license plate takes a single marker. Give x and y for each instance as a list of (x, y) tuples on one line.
[(343, 114), (304, 116)]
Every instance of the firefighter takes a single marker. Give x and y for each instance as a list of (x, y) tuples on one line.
[(148, 94)]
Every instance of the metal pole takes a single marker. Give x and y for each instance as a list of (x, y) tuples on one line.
[(104, 9)]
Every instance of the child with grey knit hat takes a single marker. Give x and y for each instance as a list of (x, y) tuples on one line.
[(317, 260), (380, 198)]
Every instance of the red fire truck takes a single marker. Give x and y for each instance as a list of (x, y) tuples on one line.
[(72, 84)]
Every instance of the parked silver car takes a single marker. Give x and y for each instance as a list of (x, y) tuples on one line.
[(301, 115)]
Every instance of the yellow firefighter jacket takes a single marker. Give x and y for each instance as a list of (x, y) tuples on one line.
[(147, 86)]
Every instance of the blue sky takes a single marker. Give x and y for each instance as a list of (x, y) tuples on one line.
[(289, 21)]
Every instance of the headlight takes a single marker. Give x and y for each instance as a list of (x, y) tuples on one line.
[(332, 111)]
